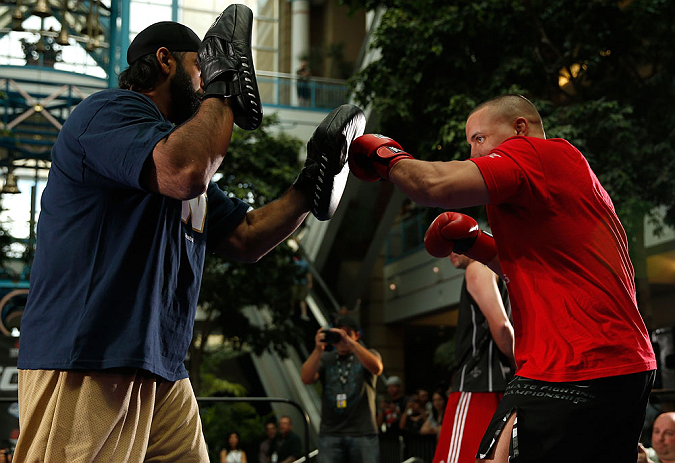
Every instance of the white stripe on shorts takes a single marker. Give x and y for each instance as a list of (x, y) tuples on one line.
[(458, 427)]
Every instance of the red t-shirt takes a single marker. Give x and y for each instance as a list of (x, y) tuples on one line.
[(565, 259)]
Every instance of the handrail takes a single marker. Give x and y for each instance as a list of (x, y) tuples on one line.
[(317, 276), (286, 75), (265, 399)]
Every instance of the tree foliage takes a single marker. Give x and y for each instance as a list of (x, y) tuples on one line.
[(615, 58), (258, 168)]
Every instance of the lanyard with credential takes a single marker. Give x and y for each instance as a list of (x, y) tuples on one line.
[(342, 397)]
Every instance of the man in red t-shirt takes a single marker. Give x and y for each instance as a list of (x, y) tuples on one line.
[(584, 360)]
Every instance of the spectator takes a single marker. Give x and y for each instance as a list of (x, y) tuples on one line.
[(344, 310), (663, 441), (484, 347), (233, 452), (267, 446), (433, 424), (348, 375), (423, 395), (6, 455), (413, 417), (288, 445), (303, 84), (391, 411), (387, 415)]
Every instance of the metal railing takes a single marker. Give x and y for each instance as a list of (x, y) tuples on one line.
[(287, 90), (405, 238), (209, 400)]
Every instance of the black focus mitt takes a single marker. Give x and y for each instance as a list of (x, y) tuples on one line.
[(324, 176), (226, 62)]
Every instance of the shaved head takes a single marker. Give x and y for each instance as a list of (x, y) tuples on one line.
[(663, 437), (507, 108), (500, 118)]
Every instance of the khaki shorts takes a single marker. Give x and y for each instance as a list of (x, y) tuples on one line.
[(107, 416)]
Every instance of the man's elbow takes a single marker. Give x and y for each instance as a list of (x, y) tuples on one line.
[(191, 184), (505, 332)]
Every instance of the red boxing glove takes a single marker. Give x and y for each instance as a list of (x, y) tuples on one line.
[(372, 156), (454, 232)]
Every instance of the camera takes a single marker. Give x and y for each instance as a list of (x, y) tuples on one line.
[(331, 337)]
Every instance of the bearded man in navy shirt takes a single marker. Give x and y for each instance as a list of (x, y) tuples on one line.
[(128, 213)]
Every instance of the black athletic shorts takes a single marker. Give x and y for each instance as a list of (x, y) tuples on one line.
[(577, 422)]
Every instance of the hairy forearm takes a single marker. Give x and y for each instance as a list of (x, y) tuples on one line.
[(453, 184), (273, 223), (263, 229), (418, 180)]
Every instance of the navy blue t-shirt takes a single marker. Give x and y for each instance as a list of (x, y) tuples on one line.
[(117, 268)]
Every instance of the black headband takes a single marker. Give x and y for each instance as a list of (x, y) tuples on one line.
[(169, 34)]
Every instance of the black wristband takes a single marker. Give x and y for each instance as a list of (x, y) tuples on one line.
[(222, 89)]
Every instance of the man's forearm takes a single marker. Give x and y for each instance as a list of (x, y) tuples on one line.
[(274, 222), (370, 361), (263, 229)]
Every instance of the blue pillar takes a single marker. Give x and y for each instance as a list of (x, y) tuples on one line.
[(119, 39), (115, 49), (174, 11), (124, 33)]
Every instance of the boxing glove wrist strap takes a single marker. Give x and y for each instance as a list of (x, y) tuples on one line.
[(483, 249), (222, 89), (387, 156)]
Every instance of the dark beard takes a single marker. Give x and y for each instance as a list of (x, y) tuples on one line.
[(185, 100)]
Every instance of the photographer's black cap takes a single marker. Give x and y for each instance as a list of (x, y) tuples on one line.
[(169, 34)]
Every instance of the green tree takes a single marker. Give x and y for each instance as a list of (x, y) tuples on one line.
[(258, 168), (601, 72), (615, 59)]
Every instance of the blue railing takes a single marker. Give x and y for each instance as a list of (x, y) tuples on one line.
[(287, 90), (405, 238)]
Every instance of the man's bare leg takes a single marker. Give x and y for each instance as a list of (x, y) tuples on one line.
[(501, 451)]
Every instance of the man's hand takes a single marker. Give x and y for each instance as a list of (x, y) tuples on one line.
[(320, 340), (226, 62), (642, 455)]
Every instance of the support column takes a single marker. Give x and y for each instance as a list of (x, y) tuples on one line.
[(299, 39)]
